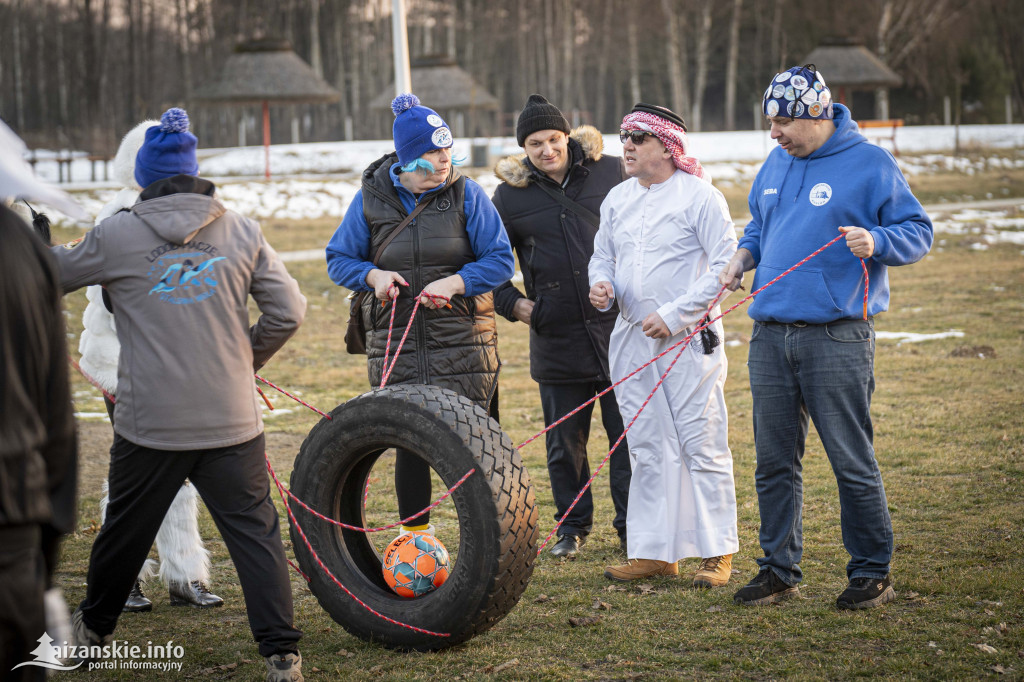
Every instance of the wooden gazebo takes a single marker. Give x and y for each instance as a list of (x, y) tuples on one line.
[(265, 71), (847, 66), (450, 91)]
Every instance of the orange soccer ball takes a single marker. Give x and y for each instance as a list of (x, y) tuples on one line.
[(414, 564)]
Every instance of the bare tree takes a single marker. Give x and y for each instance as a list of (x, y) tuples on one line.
[(703, 29), (184, 46), (634, 58), (315, 60), (83, 65), (1009, 15), (19, 81), (731, 65), (678, 60)]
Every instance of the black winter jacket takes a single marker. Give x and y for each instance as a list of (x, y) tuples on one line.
[(568, 336), (38, 458), (454, 348)]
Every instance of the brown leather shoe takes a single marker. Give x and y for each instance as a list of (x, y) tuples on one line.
[(636, 569), (713, 572)]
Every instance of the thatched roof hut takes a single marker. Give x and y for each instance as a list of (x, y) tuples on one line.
[(266, 70), (450, 91), (262, 72), (847, 65)]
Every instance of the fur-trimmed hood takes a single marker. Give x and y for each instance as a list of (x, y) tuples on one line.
[(515, 171), (124, 160)]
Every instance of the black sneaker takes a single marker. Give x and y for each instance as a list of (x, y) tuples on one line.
[(137, 600), (765, 588), (867, 593)]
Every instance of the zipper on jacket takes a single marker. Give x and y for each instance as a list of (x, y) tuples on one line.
[(589, 324), (420, 321)]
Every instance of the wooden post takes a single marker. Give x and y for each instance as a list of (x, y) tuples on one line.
[(266, 137)]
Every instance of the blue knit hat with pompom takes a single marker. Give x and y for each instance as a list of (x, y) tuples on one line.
[(418, 129), (169, 150)]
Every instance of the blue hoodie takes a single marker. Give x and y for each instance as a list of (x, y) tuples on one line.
[(797, 206)]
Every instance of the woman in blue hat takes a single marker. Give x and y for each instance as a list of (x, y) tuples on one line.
[(450, 257)]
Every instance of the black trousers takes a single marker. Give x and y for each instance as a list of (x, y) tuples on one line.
[(412, 478), (568, 466), (22, 619), (234, 485)]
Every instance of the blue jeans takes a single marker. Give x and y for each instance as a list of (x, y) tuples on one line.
[(825, 372)]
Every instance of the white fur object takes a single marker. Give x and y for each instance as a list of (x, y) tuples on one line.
[(98, 344), (124, 160), (183, 558)]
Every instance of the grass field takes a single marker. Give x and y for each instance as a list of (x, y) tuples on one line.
[(949, 437)]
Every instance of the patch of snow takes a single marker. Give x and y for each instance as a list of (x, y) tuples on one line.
[(914, 337), (96, 416), (318, 180), (276, 412)]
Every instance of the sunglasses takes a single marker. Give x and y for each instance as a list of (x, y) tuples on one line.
[(635, 136)]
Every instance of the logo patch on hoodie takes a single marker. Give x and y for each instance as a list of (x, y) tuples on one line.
[(820, 194), (770, 190), (184, 278)]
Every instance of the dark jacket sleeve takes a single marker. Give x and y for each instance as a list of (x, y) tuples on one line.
[(282, 305), (61, 446), (506, 294)]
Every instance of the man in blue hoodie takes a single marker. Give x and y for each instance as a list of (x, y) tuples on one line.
[(812, 345)]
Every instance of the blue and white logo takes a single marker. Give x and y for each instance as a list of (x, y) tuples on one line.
[(441, 138), (184, 275), (820, 194)]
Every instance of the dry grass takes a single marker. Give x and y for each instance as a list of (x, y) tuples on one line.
[(949, 437)]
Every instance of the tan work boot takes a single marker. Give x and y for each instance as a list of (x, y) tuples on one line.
[(713, 572), (636, 569), (284, 668)]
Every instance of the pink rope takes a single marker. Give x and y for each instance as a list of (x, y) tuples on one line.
[(327, 571), (360, 529), (301, 402), (286, 494), (388, 369), (597, 471), (864, 267), (673, 346), (659, 356), (391, 325)]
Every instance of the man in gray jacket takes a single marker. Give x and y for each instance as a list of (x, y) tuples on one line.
[(179, 269)]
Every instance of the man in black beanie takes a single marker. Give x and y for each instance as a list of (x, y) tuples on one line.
[(549, 200)]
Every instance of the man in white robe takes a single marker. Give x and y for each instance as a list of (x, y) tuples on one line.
[(665, 234)]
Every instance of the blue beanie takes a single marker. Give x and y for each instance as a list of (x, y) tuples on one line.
[(799, 92), (168, 150), (418, 129)]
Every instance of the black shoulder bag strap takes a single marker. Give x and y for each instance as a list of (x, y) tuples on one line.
[(355, 332), (589, 216), (401, 226)]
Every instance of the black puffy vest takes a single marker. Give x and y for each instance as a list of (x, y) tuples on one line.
[(454, 348)]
